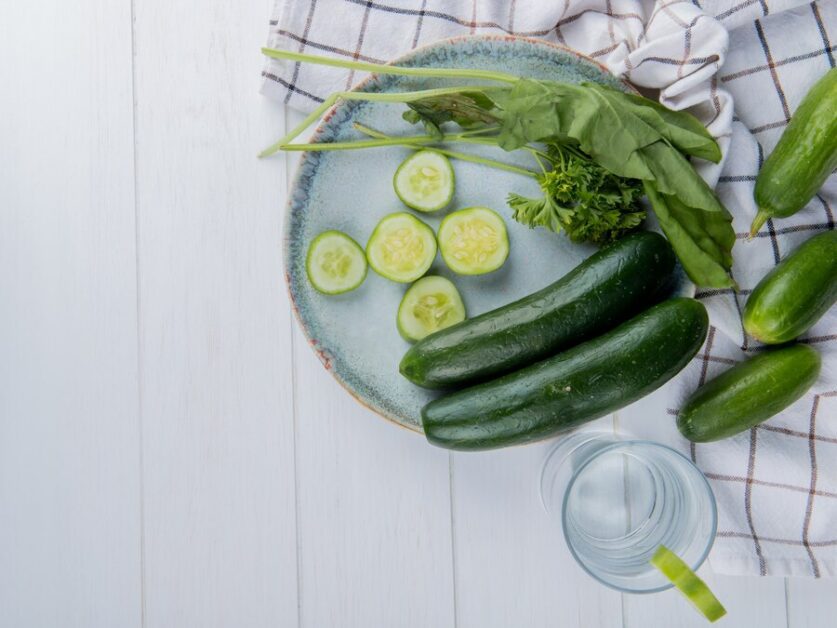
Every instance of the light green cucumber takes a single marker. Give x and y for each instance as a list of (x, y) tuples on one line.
[(749, 393), (425, 181), (474, 241), (335, 263), (401, 248), (688, 583), (804, 157), (430, 304), (796, 293)]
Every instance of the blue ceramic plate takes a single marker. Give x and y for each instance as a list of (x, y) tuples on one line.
[(355, 334)]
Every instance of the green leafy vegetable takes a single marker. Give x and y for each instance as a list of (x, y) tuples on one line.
[(631, 140), (682, 130), (581, 198), (465, 109), (628, 138), (701, 240)]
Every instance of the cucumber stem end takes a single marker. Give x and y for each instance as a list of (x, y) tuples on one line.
[(758, 222)]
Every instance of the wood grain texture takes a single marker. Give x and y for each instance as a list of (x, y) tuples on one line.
[(749, 602), (374, 518), (69, 449), (169, 401), (811, 603), (217, 408), (512, 565)]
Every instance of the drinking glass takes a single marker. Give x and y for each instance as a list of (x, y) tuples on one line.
[(617, 500)]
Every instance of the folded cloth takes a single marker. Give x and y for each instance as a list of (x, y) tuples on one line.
[(776, 484)]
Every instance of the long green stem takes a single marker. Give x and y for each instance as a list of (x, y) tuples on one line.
[(395, 97), (309, 119), (368, 130), (380, 68), (487, 141), (416, 142), (382, 140), (465, 137), (479, 160), (420, 140), (322, 147), (480, 131)]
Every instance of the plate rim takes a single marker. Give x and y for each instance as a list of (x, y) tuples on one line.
[(322, 353)]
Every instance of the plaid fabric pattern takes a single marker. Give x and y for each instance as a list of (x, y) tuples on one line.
[(607, 30), (776, 485)]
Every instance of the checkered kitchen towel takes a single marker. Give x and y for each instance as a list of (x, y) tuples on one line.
[(776, 484)]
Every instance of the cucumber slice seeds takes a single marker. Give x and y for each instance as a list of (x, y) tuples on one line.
[(687, 581), (401, 247), (335, 263), (474, 241), (424, 181), (430, 304)]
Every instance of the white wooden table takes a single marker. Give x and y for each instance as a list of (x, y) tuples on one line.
[(171, 452)]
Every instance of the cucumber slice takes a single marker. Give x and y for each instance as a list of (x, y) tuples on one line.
[(401, 247), (335, 263), (688, 582), (430, 304), (474, 241), (424, 181)]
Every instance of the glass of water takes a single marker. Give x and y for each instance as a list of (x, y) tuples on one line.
[(617, 500)]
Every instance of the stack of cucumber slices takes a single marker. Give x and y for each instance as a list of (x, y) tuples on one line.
[(402, 248)]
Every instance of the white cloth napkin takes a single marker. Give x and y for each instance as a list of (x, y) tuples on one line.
[(776, 485)]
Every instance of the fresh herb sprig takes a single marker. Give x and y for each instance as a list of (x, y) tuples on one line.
[(581, 198), (627, 136)]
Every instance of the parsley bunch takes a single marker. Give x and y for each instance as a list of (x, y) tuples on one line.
[(582, 199)]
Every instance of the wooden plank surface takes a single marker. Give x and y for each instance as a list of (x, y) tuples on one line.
[(171, 452), (749, 602), (811, 603), (217, 408), (69, 449), (512, 565)]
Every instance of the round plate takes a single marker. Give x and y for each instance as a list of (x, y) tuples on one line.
[(355, 334)]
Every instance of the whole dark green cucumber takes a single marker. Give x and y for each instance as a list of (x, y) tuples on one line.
[(804, 157), (796, 293), (609, 287), (749, 393), (579, 385)]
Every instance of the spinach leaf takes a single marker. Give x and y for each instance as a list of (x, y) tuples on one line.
[(465, 109), (675, 176), (532, 111), (703, 241), (543, 111), (681, 129)]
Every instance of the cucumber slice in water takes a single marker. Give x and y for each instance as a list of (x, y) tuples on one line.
[(688, 582), (335, 263), (474, 241), (430, 304), (424, 181), (401, 248)]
